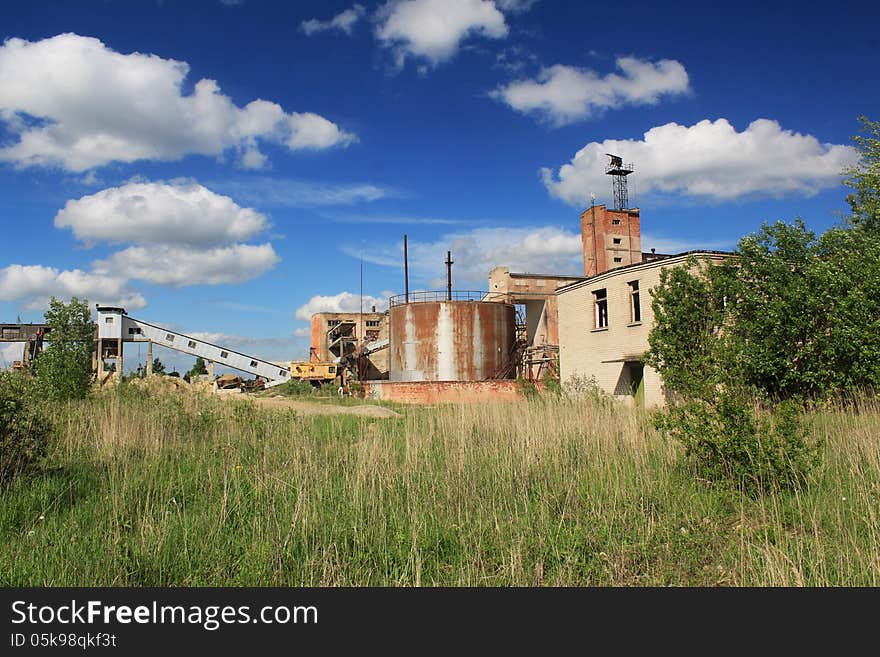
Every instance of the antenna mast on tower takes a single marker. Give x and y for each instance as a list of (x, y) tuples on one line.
[(618, 172)]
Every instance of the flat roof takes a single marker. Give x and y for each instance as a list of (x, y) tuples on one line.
[(659, 262), (563, 276)]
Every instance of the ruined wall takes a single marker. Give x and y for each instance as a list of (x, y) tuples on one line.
[(364, 333), (444, 392)]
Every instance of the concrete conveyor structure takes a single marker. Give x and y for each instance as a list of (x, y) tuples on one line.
[(116, 327)]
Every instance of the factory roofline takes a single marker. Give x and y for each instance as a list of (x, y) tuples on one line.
[(558, 276), (645, 263)]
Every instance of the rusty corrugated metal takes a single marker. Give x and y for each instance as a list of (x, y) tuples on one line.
[(450, 340)]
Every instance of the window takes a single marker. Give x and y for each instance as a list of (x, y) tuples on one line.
[(600, 305), (615, 222), (635, 305), (616, 240), (169, 337), (191, 344), (253, 363), (332, 322), (372, 322), (618, 260), (282, 372), (134, 330), (108, 320), (331, 369), (224, 354)]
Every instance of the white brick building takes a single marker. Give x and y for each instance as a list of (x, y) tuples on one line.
[(604, 323)]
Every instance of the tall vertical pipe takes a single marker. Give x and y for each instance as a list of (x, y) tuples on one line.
[(449, 275)]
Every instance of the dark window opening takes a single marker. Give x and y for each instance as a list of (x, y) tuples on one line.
[(600, 305), (253, 363), (617, 240), (169, 337), (615, 222), (191, 344), (618, 260), (635, 304), (224, 354)]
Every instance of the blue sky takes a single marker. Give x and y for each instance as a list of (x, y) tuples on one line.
[(221, 167)]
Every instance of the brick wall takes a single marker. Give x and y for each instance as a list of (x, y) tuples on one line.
[(439, 392)]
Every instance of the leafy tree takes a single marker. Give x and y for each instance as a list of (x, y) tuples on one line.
[(198, 369), (158, 366), (864, 177), (65, 366), (792, 315)]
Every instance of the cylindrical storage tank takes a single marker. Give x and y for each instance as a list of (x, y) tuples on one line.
[(451, 340)]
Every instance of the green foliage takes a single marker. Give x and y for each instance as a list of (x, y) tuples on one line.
[(792, 315), (527, 389), (65, 367), (864, 178), (553, 386), (197, 369), (728, 439), (25, 432), (294, 388), (158, 366), (688, 314)]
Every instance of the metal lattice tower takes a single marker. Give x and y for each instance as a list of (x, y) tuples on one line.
[(618, 172)]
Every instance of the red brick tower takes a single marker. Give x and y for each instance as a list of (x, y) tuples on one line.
[(610, 238)]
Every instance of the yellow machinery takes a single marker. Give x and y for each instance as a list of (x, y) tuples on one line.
[(316, 372)]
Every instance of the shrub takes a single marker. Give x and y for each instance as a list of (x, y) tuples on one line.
[(728, 439), (24, 429), (553, 386), (583, 387), (527, 389), (296, 388)]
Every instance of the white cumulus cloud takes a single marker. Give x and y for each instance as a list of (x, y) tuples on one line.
[(160, 213), (343, 21), (71, 101), (434, 29), (344, 302), (710, 160), (33, 285), (565, 94), (180, 266)]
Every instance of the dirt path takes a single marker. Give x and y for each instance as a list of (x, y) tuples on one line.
[(317, 408)]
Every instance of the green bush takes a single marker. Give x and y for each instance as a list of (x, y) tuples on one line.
[(728, 439), (296, 388), (24, 429)]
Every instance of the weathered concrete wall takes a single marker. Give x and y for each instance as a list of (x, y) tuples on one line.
[(443, 392), (450, 340)]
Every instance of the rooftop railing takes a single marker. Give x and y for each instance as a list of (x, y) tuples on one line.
[(434, 296)]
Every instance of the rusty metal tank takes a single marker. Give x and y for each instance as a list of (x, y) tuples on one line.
[(466, 339)]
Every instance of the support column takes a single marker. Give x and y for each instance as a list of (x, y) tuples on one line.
[(99, 366), (149, 358), (211, 369), (120, 365)]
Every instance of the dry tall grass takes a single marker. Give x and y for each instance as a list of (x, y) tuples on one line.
[(190, 490)]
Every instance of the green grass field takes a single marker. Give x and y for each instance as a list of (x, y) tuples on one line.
[(188, 490)]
